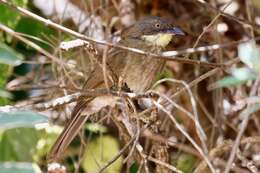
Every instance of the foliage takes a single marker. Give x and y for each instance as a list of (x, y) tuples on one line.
[(9, 16), (9, 56), (16, 119), (14, 167), (186, 163), (22, 148), (97, 155), (249, 54)]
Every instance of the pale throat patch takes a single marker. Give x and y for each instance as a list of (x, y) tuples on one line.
[(158, 40)]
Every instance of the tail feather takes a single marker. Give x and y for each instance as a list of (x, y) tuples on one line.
[(70, 130)]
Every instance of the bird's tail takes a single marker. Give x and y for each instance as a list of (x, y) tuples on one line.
[(70, 130)]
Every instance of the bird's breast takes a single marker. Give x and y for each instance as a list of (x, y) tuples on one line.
[(140, 71), (160, 39)]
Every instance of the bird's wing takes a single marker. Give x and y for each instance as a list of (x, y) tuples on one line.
[(115, 63)]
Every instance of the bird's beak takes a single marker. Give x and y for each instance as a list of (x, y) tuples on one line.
[(175, 31)]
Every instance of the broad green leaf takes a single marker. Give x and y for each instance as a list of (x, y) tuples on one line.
[(100, 151), (19, 167), (20, 119), (36, 31), (249, 53), (226, 82), (9, 16), (239, 76), (5, 72), (9, 56), (27, 144), (5, 94), (243, 74), (33, 27), (186, 162), (19, 144)]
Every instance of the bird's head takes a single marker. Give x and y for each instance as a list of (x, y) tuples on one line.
[(155, 31)]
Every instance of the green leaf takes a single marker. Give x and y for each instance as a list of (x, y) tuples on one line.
[(249, 53), (9, 16), (4, 101), (239, 76), (99, 152), (5, 94), (9, 56), (33, 27), (20, 119), (186, 163), (27, 144), (226, 82), (19, 144), (16, 167), (36, 31), (243, 74), (5, 72)]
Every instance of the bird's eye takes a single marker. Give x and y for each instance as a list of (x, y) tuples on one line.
[(157, 25)]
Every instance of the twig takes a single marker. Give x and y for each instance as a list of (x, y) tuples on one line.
[(170, 167), (245, 162), (208, 26), (245, 115), (180, 128), (67, 45), (58, 101), (118, 155), (138, 131), (33, 45), (199, 129), (220, 149), (104, 68), (203, 77), (90, 93), (83, 37), (195, 82), (239, 20), (169, 142), (222, 163)]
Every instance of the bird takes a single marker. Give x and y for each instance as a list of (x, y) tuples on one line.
[(137, 71)]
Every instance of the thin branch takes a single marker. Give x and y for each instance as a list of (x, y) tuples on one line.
[(181, 129), (102, 42), (199, 129), (33, 45), (254, 26), (103, 168), (245, 115), (159, 162)]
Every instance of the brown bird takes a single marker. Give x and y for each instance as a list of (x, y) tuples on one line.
[(137, 71)]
